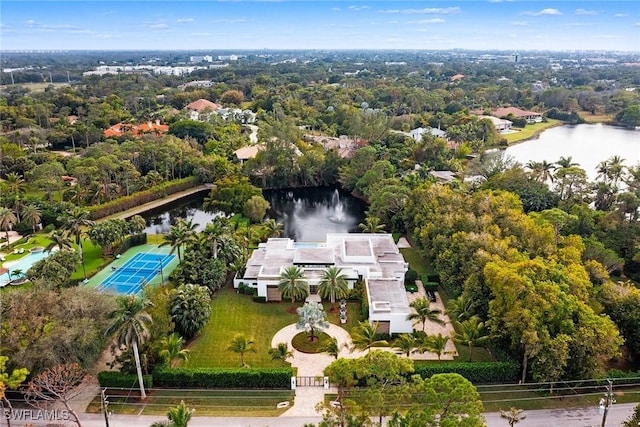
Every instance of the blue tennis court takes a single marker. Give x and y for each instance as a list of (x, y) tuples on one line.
[(129, 278)]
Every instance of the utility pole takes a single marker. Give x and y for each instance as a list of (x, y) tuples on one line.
[(607, 401), (105, 404)]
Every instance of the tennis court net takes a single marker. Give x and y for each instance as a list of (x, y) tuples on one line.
[(138, 271)]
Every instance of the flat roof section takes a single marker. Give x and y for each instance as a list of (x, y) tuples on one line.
[(389, 295), (314, 256), (357, 247)]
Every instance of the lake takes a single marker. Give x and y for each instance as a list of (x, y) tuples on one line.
[(587, 145), (307, 214)]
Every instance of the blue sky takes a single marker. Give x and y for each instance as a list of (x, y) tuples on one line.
[(305, 24)]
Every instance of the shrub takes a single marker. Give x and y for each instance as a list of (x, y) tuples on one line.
[(256, 298), (131, 241), (477, 373), (410, 276), (246, 290), (117, 380), (430, 286), (258, 378)]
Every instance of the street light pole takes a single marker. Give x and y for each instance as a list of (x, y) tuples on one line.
[(607, 401)]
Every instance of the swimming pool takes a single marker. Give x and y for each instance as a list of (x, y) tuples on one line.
[(23, 264)]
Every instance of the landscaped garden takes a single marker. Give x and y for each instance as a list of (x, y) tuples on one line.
[(233, 313), (530, 130)]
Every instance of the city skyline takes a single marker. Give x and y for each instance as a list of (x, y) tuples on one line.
[(223, 25)]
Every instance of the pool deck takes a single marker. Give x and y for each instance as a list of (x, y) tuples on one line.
[(99, 277)]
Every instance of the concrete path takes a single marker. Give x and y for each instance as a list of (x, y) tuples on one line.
[(403, 243)]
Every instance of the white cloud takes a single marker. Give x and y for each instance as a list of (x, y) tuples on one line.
[(336, 9), (637, 24), (586, 12), (577, 24), (543, 12), (183, 20), (30, 22), (201, 34), (105, 36), (228, 21), (357, 8), (520, 23), (425, 11), (620, 15), (158, 26), (428, 21)]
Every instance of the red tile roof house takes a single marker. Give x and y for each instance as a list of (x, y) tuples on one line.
[(137, 131), (531, 116), (200, 108)]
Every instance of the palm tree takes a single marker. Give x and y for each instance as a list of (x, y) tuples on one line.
[(471, 333), (58, 239), (364, 337), (292, 284), (73, 223), (546, 171), (274, 229), (371, 225), (616, 169), (7, 220), (178, 417), (180, 234), (333, 284), (434, 344), (566, 162), (281, 352), (406, 343), (513, 416), (130, 323), (31, 215), (241, 345), (423, 312), (216, 233), (460, 309), (172, 349), (331, 347)]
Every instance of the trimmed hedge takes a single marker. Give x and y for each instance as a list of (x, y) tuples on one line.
[(157, 192), (430, 286), (428, 278), (477, 373), (117, 380), (258, 378)]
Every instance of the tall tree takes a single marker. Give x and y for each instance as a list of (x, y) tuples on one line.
[(130, 323), (333, 284), (7, 220), (406, 343), (31, 215), (424, 312), (179, 235), (371, 225), (435, 344), (292, 284), (9, 380), (190, 308)]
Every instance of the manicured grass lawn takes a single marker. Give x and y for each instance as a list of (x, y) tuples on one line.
[(301, 342), (26, 244), (93, 260), (232, 314), (528, 131), (242, 403), (415, 261)]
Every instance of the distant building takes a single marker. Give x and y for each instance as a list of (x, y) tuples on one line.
[(444, 176), (149, 128), (457, 77), (196, 83), (418, 133), (499, 124), (204, 58), (530, 116), (201, 108)]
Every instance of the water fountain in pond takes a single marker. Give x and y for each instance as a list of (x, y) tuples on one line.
[(338, 208)]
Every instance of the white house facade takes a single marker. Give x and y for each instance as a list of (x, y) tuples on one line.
[(372, 258)]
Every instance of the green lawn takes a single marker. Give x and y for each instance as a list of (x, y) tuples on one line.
[(93, 260), (221, 403), (529, 130), (232, 314), (416, 262)]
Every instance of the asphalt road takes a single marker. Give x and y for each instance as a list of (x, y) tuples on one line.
[(585, 417)]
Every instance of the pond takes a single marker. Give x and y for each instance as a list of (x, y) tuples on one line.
[(307, 214), (587, 145)]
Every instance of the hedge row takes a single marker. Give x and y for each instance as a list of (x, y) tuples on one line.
[(260, 378), (123, 203), (477, 373), (117, 380)]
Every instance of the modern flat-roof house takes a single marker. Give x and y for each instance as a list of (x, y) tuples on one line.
[(372, 258), (499, 124)]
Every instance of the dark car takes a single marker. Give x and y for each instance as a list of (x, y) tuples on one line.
[(431, 295)]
